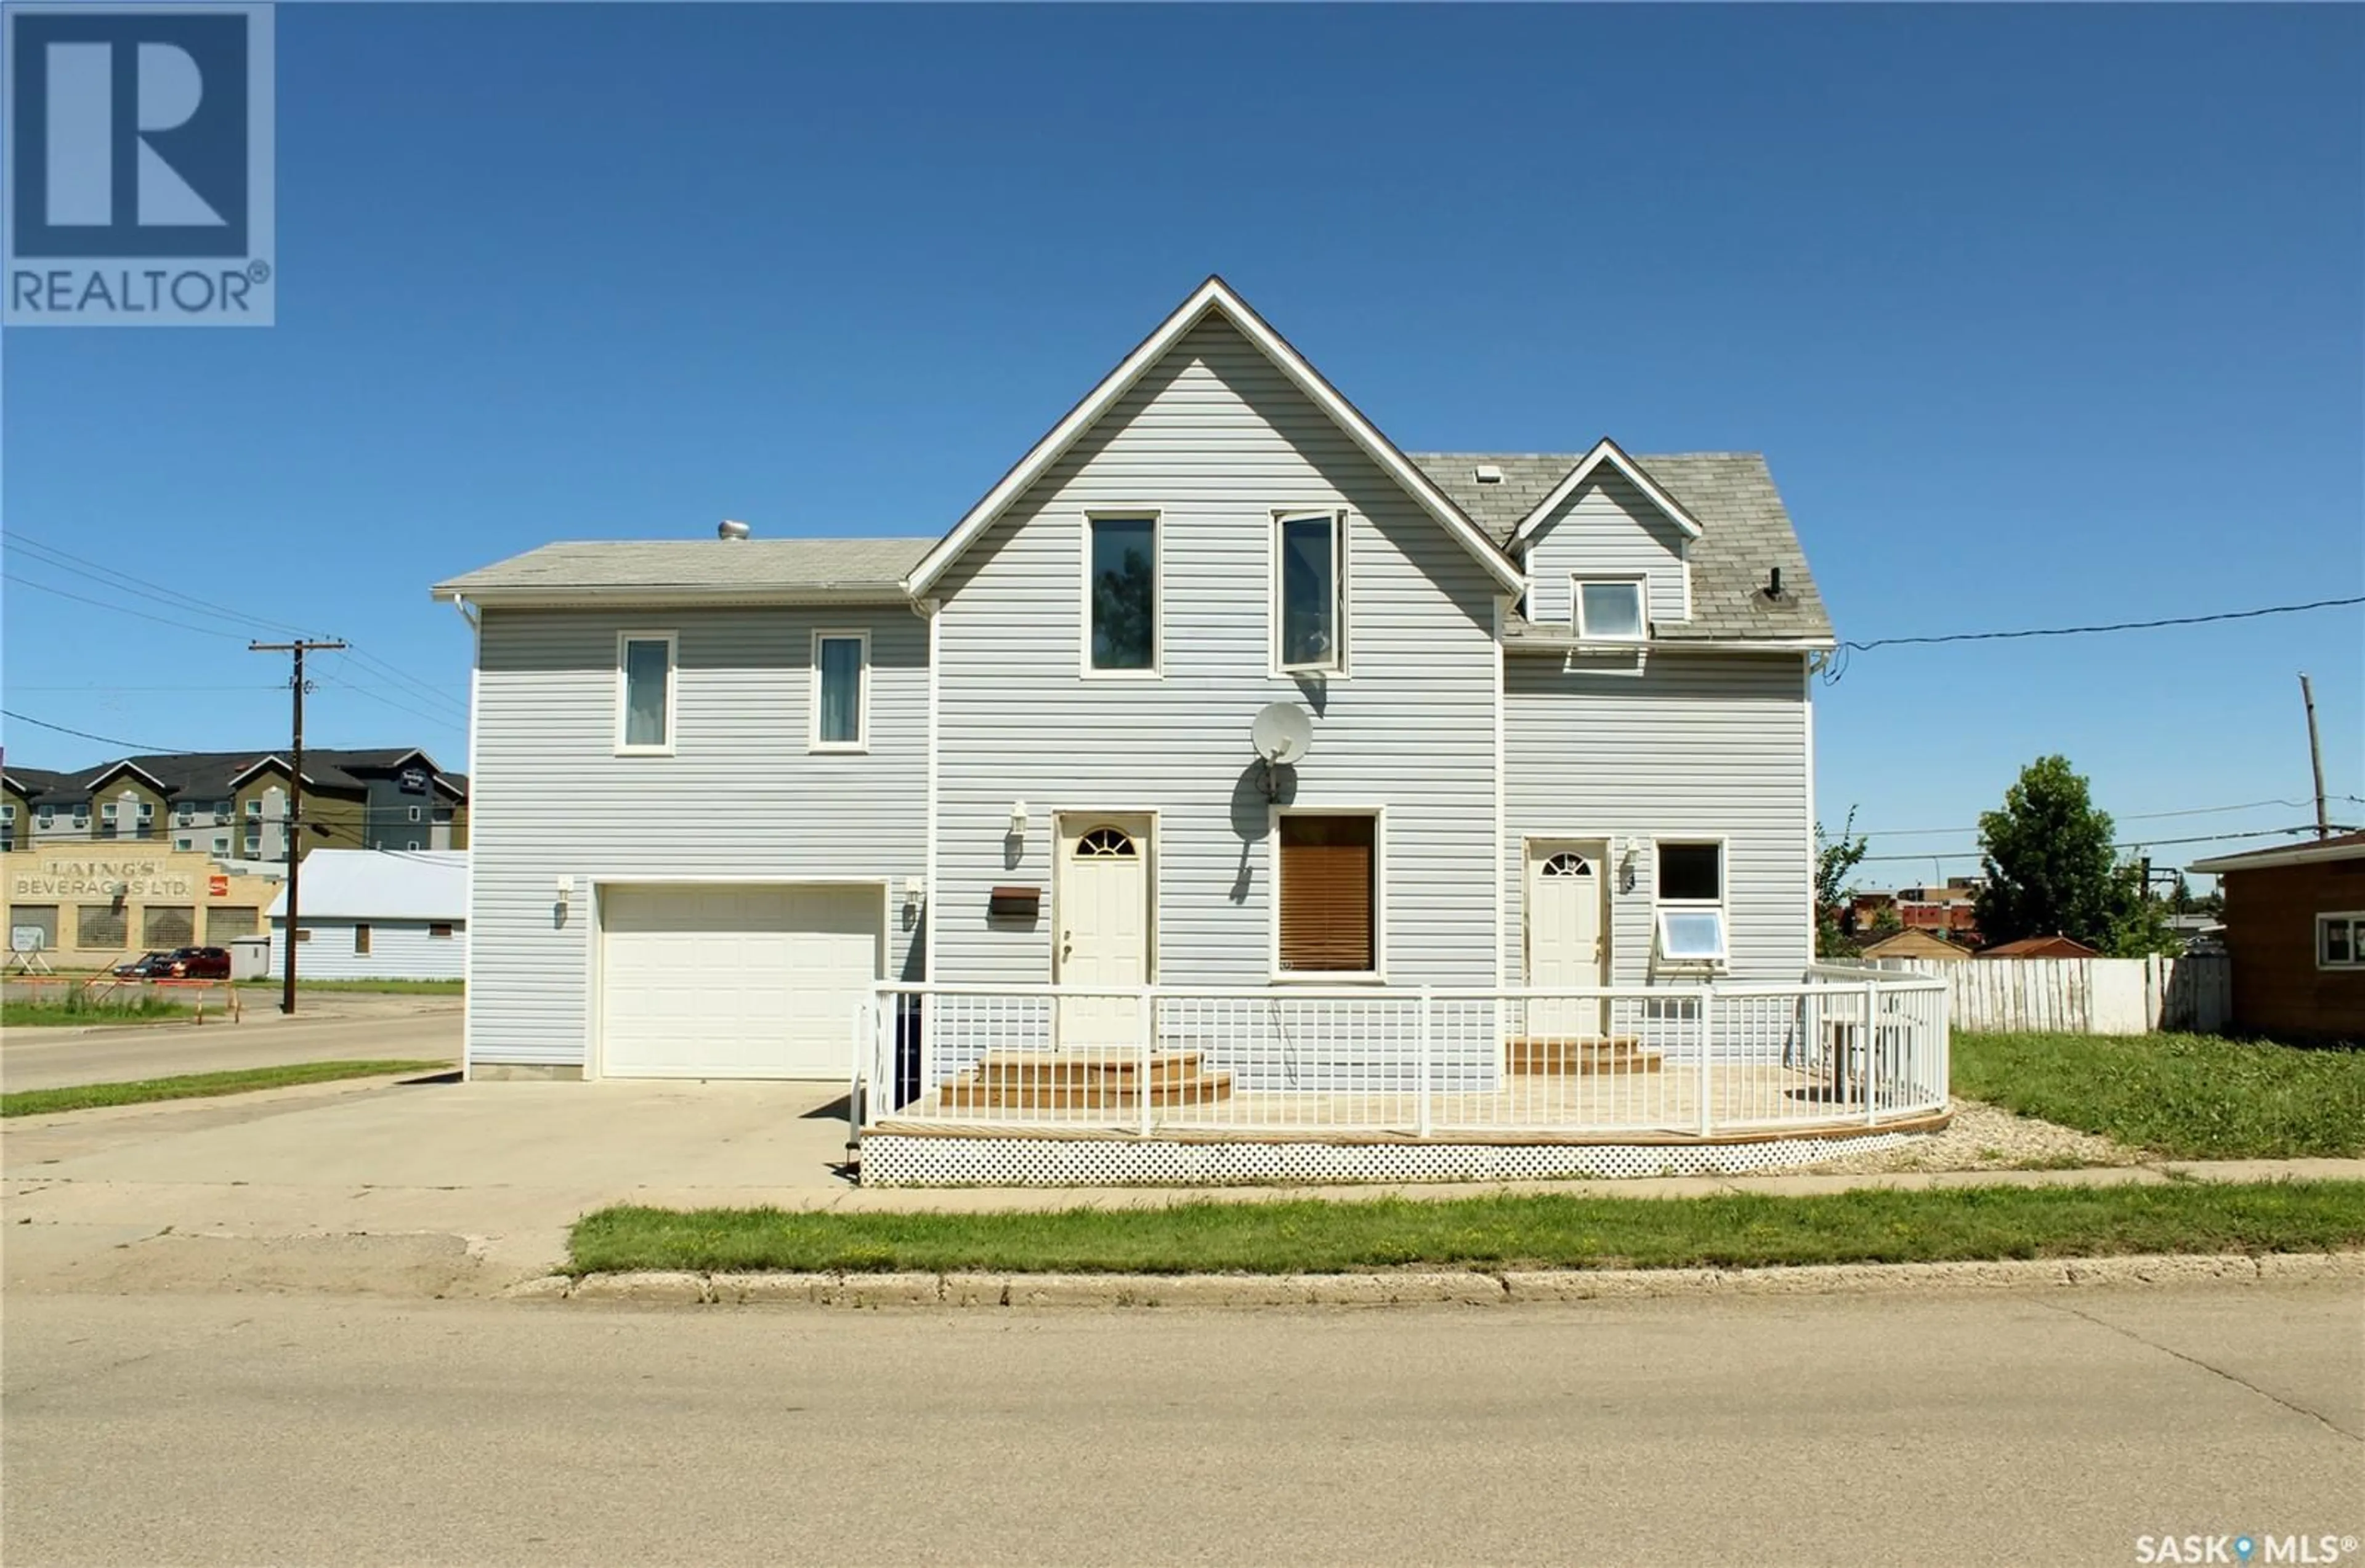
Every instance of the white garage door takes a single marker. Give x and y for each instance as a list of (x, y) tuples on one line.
[(733, 981)]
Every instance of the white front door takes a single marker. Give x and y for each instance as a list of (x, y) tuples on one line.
[(1565, 950), (1103, 910)]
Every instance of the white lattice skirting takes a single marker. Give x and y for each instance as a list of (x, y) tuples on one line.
[(892, 1160)]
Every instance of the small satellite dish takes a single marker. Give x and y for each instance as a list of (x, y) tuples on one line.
[(1282, 734)]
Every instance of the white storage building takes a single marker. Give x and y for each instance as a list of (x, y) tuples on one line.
[(377, 915)]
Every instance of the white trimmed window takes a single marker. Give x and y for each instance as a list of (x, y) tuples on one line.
[(1688, 892), (47, 817), (1122, 602), (7, 825), (1309, 591), (1609, 609), (841, 691), (1327, 894), (644, 694), (2340, 940)]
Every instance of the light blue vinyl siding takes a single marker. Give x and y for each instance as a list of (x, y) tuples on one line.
[(1216, 441), (1700, 745), (742, 796), (1607, 528)]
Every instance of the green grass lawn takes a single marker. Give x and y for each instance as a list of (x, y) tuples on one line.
[(1549, 1231), (2187, 1096), (397, 987), (80, 1008), (194, 1086)]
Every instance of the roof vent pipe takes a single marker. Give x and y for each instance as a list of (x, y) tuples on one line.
[(731, 528), (1774, 583)]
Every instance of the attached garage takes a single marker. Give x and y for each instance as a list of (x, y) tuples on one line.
[(736, 981)]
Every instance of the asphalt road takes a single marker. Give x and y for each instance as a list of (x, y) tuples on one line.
[(424, 1028), (1959, 1429)]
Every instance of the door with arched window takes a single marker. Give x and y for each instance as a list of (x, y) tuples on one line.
[(1103, 925), (1567, 947)]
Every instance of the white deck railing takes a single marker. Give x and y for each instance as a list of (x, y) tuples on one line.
[(1846, 1045)]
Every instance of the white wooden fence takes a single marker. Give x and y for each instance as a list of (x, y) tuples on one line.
[(2083, 996)]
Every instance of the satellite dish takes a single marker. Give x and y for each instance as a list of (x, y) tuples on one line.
[(1282, 734)]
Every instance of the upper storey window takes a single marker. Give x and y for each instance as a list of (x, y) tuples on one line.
[(644, 692), (1121, 595), (1310, 591), (1609, 608)]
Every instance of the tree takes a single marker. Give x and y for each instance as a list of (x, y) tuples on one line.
[(1835, 859), (2048, 861), (2051, 870)]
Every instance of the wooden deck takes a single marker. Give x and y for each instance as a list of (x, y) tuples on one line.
[(1659, 1103)]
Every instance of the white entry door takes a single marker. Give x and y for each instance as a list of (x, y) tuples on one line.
[(1565, 949), (1104, 910)]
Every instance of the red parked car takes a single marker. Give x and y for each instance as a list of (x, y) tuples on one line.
[(181, 963)]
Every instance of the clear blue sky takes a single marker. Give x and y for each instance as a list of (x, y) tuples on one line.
[(2042, 315)]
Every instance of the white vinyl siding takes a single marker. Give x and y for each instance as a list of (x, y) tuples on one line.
[(1700, 747), (1608, 528), (741, 796), (1219, 442), (397, 949)]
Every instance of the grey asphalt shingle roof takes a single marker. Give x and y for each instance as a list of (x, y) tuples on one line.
[(207, 775), (703, 566), (1743, 531)]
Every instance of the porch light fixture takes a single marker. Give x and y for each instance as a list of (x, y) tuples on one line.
[(566, 890), (1018, 818)]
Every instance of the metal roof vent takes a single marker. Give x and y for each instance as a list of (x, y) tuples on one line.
[(731, 528), (1490, 474)]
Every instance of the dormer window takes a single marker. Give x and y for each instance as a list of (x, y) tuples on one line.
[(1609, 609)]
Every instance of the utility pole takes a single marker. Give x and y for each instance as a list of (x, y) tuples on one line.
[(2315, 755), (295, 805)]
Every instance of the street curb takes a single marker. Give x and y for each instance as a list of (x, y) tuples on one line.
[(1454, 1287)]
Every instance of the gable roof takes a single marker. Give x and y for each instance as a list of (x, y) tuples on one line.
[(2341, 847), (1745, 532), (1213, 297), (379, 884), (2054, 946), (1606, 452), (845, 569), (215, 775)]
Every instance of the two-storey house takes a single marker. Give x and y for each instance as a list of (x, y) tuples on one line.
[(1557, 709)]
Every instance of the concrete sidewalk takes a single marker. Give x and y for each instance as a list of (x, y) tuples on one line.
[(467, 1188)]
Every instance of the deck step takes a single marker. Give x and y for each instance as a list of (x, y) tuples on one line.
[(1109, 1068), (1580, 1056), (1111, 1093)]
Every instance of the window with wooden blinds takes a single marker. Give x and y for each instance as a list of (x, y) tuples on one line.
[(1328, 894)]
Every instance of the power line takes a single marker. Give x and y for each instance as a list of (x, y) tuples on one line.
[(136, 746), (2306, 829), (122, 581), (2112, 626), (2131, 817), (121, 610), (110, 577), (372, 662), (444, 720)]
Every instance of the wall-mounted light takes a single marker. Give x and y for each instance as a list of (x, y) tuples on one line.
[(915, 893), (566, 890), (1626, 853), (1018, 818)]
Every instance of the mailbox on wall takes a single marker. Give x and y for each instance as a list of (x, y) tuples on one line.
[(1013, 903)]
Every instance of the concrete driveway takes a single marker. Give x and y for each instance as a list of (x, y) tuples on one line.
[(342, 1027), (421, 1187)]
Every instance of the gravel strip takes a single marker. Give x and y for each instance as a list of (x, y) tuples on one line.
[(1989, 1137)]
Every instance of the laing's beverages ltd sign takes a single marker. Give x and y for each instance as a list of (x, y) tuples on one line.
[(83, 878)]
